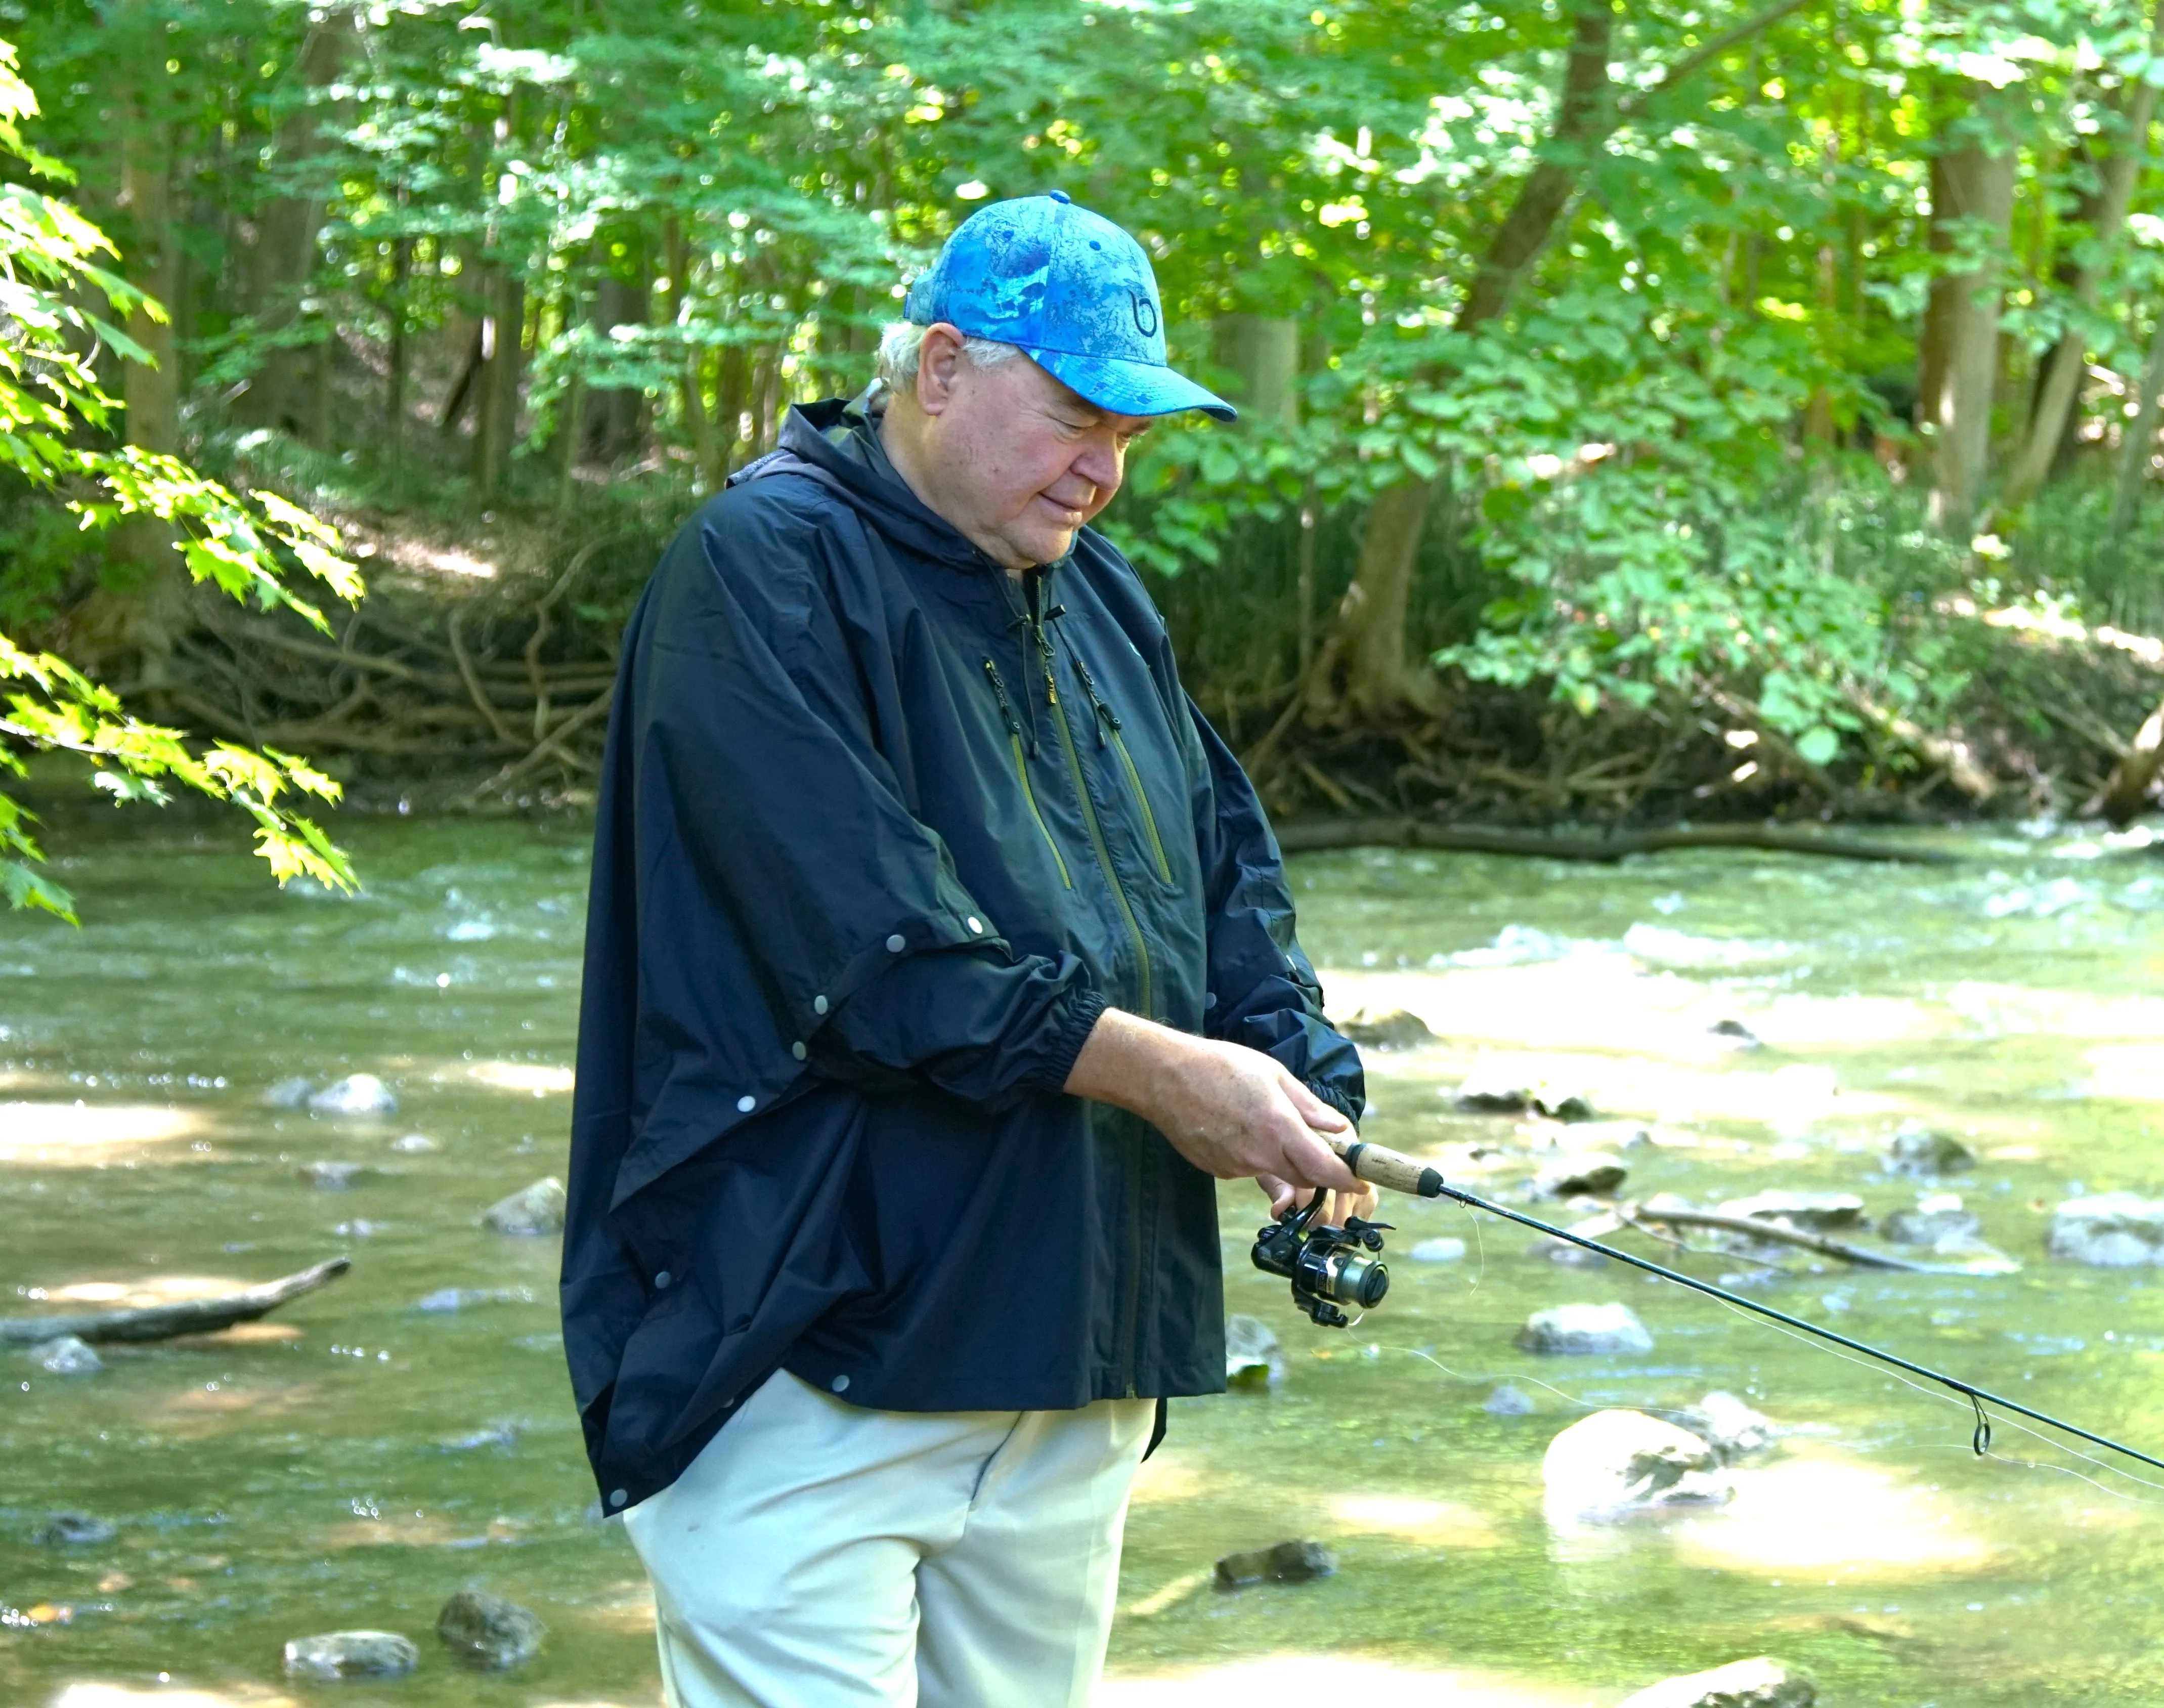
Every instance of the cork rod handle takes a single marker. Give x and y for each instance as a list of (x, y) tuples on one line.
[(1384, 1167)]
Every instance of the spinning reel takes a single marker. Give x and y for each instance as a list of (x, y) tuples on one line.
[(1329, 1267)]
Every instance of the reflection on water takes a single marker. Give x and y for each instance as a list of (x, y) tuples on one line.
[(356, 1458)]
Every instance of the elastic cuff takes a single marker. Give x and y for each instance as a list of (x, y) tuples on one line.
[(1073, 1020), (1335, 1098)]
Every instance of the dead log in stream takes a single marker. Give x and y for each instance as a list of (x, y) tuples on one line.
[(1782, 1233), (165, 1322), (1471, 838)]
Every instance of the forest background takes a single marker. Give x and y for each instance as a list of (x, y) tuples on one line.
[(1649, 412)]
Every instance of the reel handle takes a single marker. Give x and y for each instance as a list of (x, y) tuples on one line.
[(1384, 1167)]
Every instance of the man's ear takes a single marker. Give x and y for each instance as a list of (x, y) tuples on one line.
[(938, 367)]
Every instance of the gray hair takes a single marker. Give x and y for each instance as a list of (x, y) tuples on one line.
[(901, 349)]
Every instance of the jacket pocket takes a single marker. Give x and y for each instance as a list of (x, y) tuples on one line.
[(1021, 768)]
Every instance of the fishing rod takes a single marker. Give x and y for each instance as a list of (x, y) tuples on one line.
[(1333, 1266)]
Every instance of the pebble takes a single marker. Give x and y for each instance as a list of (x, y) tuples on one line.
[(68, 1356), (1508, 1401), (1613, 1327), (1445, 1250), (1253, 1359), (1287, 1562), (1762, 1683), (1730, 1427), (329, 1177), (1398, 1029), (536, 1209), (352, 1654), (415, 1144), (357, 1094), (1921, 1152), (1608, 1466), (1591, 1171), (1815, 1212), (463, 1298), (2111, 1230), (72, 1529), (484, 1631)]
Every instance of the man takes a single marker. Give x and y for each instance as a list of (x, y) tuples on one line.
[(939, 957)]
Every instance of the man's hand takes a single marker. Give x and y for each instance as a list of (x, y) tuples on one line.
[(1231, 1111)]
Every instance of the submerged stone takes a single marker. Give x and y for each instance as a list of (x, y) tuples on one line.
[(1613, 1327), (1734, 1034), (72, 1529), (1732, 1428), (329, 1177), (1508, 1401), (2111, 1230), (1605, 1467), (536, 1209), (1287, 1562), (1398, 1029), (486, 1631), (357, 1094), (414, 1145), (352, 1654), (444, 1299), (1252, 1357), (1927, 1155), (1760, 1683), (1938, 1220), (1590, 1172), (288, 1093), (68, 1356)]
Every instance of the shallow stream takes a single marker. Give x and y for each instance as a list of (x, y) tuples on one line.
[(357, 1457)]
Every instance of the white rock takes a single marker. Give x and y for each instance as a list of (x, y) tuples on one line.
[(1252, 1356), (1613, 1464), (1437, 1251), (357, 1094), (2112, 1230), (68, 1356), (352, 1654), (1732, 1428), (535, 1210), (1584, 1328), (1762, 1683)]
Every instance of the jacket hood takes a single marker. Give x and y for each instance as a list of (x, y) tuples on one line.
[(836, 443)]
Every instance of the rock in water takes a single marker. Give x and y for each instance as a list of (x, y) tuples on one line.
[(1608, 1466), (1589, 1171), (289, 1094), (2112, 1230), (1252, 1357), (329, 1177), (1444, 1250), (1489, 1091), (1753, 1684), (1732, 1429), (1508, 1401), (538, 1209), (352, 1654), (1398, 1029), (1288, 1563), (1814, 1213), (357, 1094), (1584, 1328), (486, 1631), (1734, 1034), (444, 1299), (72, 1529), (1919, 1151), (1562, 1103), (68, 1356), (415, 1144), (1938, 1220)]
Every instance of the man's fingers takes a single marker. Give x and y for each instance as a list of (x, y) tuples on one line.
[(1282, 1193), (1312, 1163)]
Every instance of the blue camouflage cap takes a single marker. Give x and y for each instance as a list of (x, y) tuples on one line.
[(1071, 290)]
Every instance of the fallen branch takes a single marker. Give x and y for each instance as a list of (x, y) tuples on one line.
[(1782, 1233), (164, 1321), (1470, 839)]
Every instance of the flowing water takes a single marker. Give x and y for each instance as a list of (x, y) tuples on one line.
[(356, 1458)]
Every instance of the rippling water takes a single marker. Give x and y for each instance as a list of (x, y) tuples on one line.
[(356, 1458)]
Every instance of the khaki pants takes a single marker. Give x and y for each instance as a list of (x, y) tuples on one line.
[(819, 1555)]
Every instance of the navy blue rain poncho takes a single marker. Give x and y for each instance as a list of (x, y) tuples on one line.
[(882, 831)]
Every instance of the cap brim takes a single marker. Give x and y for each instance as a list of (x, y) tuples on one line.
[(1122, 387)]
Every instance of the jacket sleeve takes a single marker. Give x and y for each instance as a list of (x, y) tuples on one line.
[(1262, 992), (817, 927)]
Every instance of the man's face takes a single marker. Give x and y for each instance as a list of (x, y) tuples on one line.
[(1015, 460)]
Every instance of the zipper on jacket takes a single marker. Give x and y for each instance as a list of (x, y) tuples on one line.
[(1096, 830), (1108, 721), (1021, 766)]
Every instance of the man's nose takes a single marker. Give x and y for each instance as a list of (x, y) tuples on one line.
[(1101, 464)]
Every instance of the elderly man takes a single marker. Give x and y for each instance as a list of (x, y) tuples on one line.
[(939, 960)]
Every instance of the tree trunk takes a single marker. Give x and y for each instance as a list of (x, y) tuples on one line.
[(2139, 445), (1371, 628), (496, 383), (1263, 350), (616, 415), (284, 254), (1931, 342), (398, 362), (1979, 183), (2100, 217)]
